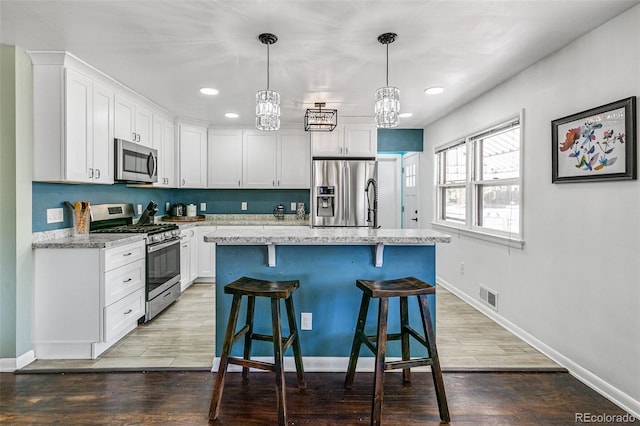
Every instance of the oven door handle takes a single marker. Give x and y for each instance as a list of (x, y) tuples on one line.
[(160, 246)]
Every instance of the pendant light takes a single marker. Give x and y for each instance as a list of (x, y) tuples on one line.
[(267, 101), (320, 120), (387, 106)]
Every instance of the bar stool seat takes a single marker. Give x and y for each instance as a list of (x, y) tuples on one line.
[(276, 291), (383, 290)]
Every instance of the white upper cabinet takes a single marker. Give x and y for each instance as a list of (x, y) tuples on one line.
[(193, 156), (294, 159), (103, 148), (256, 159), (162, 139), (360, 140), (260, 158), (351, 140), (79, 127), (225, 158), (73, 123), (132, 121), (328, 144)]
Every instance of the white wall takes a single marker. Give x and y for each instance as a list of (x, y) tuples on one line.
[(574, 289)]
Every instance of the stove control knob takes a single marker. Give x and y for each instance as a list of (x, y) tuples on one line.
[(167, 235)]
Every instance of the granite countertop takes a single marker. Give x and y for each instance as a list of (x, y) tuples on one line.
[(90, 241), (327, 236), (244, 220)]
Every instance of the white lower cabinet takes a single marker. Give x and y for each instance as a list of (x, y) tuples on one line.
[(188, 257), (206, 254), (86, 299)]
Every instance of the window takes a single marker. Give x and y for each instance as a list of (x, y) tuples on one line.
[(479, 181)]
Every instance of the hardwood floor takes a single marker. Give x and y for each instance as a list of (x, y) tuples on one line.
[(184, 336), (508, 398)]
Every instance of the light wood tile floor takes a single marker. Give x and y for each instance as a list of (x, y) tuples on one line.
[(184, 336)]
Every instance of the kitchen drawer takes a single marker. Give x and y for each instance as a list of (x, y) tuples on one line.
[(123, 281), (118, 256), (123, 315)]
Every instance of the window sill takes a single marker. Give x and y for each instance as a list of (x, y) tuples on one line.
[(484, 236)]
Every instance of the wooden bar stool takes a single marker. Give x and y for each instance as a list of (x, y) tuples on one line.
[(383, 290), (275, 290)]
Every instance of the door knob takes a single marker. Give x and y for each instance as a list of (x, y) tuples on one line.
[(415, 218)]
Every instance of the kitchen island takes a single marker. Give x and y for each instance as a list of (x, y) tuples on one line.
[(327, 262)]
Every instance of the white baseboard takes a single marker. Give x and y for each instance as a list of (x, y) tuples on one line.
[(9, 365), (613, 394)]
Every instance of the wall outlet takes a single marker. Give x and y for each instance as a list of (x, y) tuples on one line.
[(461, 268), (55, 215), (305, 321), (139, 208), (244, 205), (203, 207), (293, 207)]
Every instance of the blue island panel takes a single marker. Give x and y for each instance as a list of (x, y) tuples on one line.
[(327, 275)]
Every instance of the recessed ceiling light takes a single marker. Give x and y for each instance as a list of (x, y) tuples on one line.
[(208, 91), (434, 90), (231, 115), (405, 114)]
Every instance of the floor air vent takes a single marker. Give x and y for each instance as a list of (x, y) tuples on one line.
[(489, 297)]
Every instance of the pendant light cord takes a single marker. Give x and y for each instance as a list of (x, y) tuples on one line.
[(387, 64), (267, 66)]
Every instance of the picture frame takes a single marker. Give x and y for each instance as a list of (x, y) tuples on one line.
[(598, 144)]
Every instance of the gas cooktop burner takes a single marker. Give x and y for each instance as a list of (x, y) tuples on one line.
[(138, 229)]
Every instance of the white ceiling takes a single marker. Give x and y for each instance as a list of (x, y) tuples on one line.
[(327, 50)]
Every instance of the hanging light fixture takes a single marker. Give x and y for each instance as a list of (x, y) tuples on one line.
[(267, 101), (387, 106), (320, 120)]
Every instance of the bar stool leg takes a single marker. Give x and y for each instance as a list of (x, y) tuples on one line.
[(357, 340), (297, 352), (248, 337), (381, 346), (214, 408), (436, 371), (406, 349), (278, 360)]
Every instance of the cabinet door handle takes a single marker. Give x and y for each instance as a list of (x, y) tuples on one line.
[(134, 136), (273, 183), (138, 136), (127, 280), (239, 183), (128, 312), (97, 173), (90, 173), (346, 149), (127, 254), (278, 183), (182, 182)]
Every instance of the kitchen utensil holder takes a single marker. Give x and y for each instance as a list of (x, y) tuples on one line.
[(81, 223)]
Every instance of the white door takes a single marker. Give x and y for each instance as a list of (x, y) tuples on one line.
[(389, 190), (411, 199)]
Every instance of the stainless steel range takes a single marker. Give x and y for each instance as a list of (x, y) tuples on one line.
[(163, 250)]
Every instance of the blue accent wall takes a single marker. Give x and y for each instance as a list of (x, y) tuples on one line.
[(327, 276), (259, 201), (399, 140)]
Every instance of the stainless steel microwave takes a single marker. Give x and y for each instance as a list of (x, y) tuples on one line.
[(135, 163)]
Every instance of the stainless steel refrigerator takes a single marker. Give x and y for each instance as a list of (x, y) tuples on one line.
[(344, 193)]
